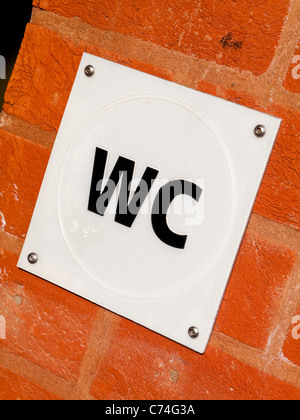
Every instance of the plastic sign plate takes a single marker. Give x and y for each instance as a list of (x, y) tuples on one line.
[(146, 198)]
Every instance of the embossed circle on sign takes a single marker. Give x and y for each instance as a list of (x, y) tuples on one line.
[(173, 138)]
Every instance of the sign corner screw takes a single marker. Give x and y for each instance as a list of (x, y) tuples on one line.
[(193, 332), (89, 71), (33, 258), (260, 131)]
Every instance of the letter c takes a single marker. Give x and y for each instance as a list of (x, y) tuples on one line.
[(160, 208)]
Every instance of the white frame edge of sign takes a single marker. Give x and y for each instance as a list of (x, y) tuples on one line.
[(198, 304)]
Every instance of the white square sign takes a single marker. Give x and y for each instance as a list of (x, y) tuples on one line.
[(146, 198)]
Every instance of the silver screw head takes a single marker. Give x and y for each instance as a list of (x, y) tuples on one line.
[(193, 332), (33, 258), (260, 131), (89, 71)]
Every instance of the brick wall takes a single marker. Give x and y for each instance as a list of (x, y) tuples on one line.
[(59, 346)]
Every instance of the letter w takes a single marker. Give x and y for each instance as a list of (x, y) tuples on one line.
[(122, 172)]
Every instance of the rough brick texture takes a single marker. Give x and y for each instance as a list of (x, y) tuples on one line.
[(43, 78), (141, 364), (14, 387), (255, 291), (45, 325), (23, 165), (228, 32), (279, 197), (59, 346)]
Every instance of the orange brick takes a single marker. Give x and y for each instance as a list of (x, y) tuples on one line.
[(291, 348), (227, 31), (130, 62), (279, 197), (292, 80), (42, 79), (44, 324), (240, 98), (22, 165), (14, 387), (142, 365), (39, 95), (207, 87), (255, 290)]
